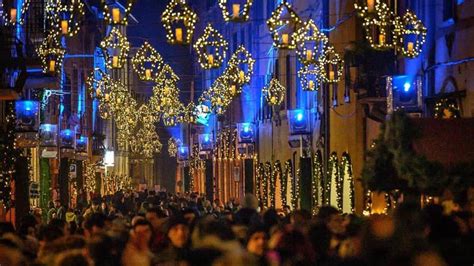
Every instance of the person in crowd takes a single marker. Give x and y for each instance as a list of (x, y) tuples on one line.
[(257, 243), (94, 224), (94, 208), (157, 218), (177, 233)]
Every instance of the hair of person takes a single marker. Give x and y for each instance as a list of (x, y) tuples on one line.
[(158, 211), (96, 219)]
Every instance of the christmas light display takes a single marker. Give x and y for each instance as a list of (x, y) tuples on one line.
[(446, 109), (283, 183), (348, 202), (90, 180), (258, 182), (268, 190), (289, 183), (317, 182), (116, 14), (11, 15), (332, 66), (172, 147), (115, 48), (283, 25), (166, 75), (334, 184), (65, 16), (211, 48), (179, 21), (274, 93), (411, 35), (114, 183), (240, 67), (147, 63), (51, 54), (146, 143), (310, 43), (379, 25), (8, 155), (310, 77), (276, 174), (235, 10)]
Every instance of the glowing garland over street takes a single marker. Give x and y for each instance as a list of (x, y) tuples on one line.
[(211, 48), (172, 147), (65, 16), (10, 12), (51, 53), (332, 66), (411, 34), (113, 13), (310, 43), (283, 28), (310, 77), (240, 67), (238, 13), (115, 48), (147, 63), (274, 92), (177, 14)]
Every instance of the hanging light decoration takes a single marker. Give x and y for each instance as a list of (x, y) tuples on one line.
[(172, 147), (146, 143), (11, 15), (364, 7), (65, 15), (179, 21), (310, 77), (236, 10), (99, 85), (240, 68), (275, 92), (51, 53), (283, 25), (310, 43), (166, 75), (411, 35), (380, 27), (147, 63), (115, 48), (211, 48), (332, 66), (219, 95), (116, 14)]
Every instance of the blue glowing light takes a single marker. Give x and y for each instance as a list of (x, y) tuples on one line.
[(299, 117), (182, 150), (246, 128), (206, 138), (26, 108), (82, 140), (406, 86)]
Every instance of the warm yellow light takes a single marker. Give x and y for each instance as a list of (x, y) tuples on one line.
[(98, 92), (116, 15), (410, 46), (210, 59), (148, 74), (311, 85), (285, 39), (236, 10), (179, 34), (13, 14), (370, 5), (233, 89), (107, 97), (115, 61), (64, 26), (273, 100), (382, 39), (52, 66), (309, 55), (242, 76), (331, 75)]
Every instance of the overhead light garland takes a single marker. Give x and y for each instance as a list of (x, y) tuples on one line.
[(146, 143), (310, 43), (332, 66), (211, 48), (66, 16), (240, 67), (348, 202), (379, 26), (115, 14), (147, 63), (317, 181), (51, 53), (179, 21), (166, 75), (240, 11), (115, 48), (283, 24), (11, 15), (274, 93), (411, 35), (310, 77)]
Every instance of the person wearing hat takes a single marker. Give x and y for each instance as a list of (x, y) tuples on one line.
[(177, 235)]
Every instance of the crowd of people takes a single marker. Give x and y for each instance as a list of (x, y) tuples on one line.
[(151, 228)]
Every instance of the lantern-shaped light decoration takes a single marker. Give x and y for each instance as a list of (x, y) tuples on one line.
[(379, 27), (51, 53), (220, 95), (147, 63), (310, 77), (14, 14), (65, 15), (274, 92), (27, 119), (283, 25), (166, 75), (332, 66), (411, 35), (365, 7), (310, 43), (235, 10), (67, 139), (99, 85), (116, 14), (172, 147), (115, 48), (146, 143), (179, 21), (211, 48), (48, 134), (240, 68)]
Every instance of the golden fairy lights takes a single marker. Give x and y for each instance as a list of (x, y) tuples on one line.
[(310, 43), (310, 77), (179, 21), (332, 66), (65, 16), (235, 10), (411, 35), (115, 48), (283, 25), (116, 14), (147, 63), (172, 147), (275, 93), (211, 48), (240, 68), (11, 15), (51, 53)]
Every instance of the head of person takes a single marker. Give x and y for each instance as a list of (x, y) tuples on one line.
[(95, 204), (94, 224), (256, 240), (178, 231), (332, 218), (72, 257), (57, 203), (60, 224), (142, 233), (156, 217), (189, 215)]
